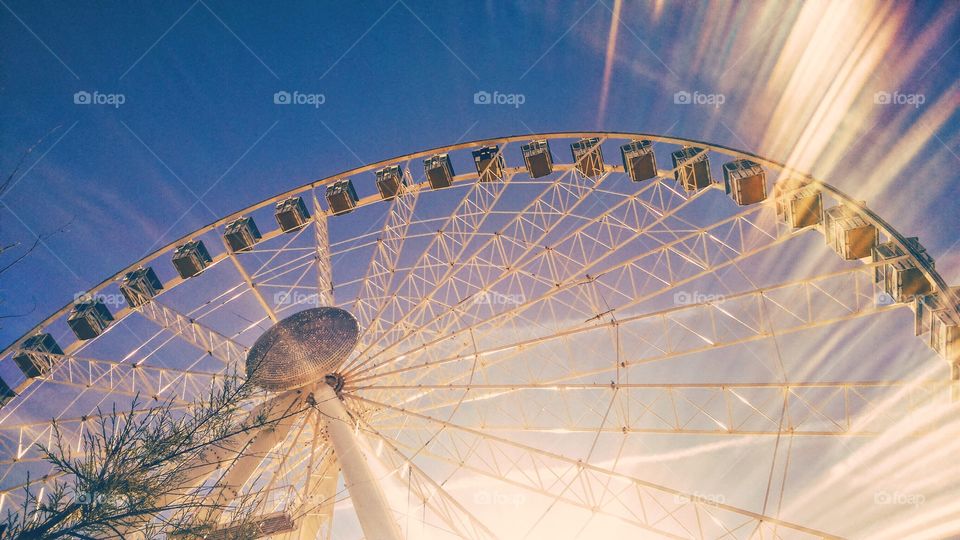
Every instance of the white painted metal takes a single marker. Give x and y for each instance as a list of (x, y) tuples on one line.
[(376, 518), (324, 270)]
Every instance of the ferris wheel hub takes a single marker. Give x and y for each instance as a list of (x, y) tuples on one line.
[(303, 348)]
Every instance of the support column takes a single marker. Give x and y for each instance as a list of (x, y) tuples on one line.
[(376, 518)]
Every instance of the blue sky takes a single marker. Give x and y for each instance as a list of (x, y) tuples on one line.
[(198, 117)]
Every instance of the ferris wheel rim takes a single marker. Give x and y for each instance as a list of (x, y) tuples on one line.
[(928, 269)]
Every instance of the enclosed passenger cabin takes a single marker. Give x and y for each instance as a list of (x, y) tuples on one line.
[(489, 162), (901, 277), (241, 234), (191, 258), (439, 171), (33, 359), (745, 181), (139, 286), (389, 180), (342, 197), (933, 315), (89, 318), (291, 214), (537, 158), (849, 233), (799, 205), (588, 156), (639, 161), (691, 167), (6, 393)]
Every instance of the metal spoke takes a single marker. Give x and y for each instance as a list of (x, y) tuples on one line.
[(21, 440), (129, 378), (252, 286), (527, 228), (677, 331), (432, 495), (661, 506), (448, 243), (384, 261), (635, 271), (214, 343), (813, 408), (324, 269)]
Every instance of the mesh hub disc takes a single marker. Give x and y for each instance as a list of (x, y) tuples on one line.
[(302, 348)]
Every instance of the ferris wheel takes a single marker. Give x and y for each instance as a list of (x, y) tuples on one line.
[(561, 335)]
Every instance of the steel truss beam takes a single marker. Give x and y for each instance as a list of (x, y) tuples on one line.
[(385, 259), (526, 230), (324, 269), (515, 250), (252, 286), (432, 495), (646, 275), (21, 440), (812, 408), (238, 455), (128, 378), (678, 331), (451, 239), (193, 332), (651, 506)]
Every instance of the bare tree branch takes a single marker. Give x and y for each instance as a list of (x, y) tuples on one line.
[(134, 472), (8, 181), (5, 186)]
